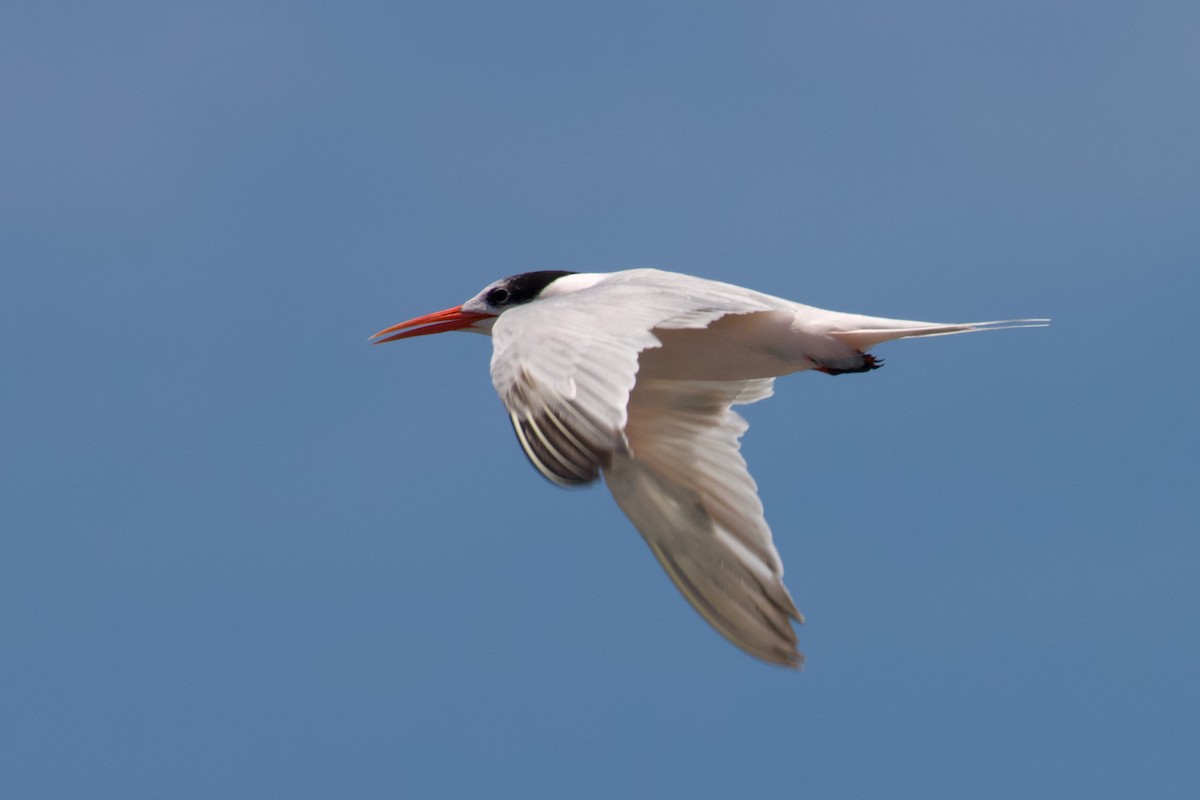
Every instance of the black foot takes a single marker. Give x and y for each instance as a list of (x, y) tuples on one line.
[(869, 362)]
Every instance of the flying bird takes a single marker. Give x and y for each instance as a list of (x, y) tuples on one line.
[(632, 376)]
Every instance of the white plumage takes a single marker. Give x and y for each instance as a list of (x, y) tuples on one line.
[(632, 376)]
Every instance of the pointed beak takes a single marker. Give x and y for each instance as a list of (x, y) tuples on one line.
[(451, 319)]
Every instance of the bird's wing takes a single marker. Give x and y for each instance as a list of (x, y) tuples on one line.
[(685, 486), (565, 366)]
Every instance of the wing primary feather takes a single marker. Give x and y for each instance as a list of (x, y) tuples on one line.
[(763, 631), (537, 453), (572, 462), (530, 453), (546, 458), (586, 453), (569, 450), (729, 587)]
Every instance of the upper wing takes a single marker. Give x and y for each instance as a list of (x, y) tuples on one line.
[(686, 488), (565, 366)]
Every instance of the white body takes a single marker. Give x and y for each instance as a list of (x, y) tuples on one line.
[(632, 375)]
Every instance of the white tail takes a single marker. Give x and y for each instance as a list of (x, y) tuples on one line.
[(873, 330)]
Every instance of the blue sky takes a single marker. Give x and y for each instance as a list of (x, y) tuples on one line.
[(244, 554)]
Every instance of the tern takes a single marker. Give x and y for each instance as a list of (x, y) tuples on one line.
[(632, 376)]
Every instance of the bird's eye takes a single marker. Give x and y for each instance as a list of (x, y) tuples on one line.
[(498, 296)]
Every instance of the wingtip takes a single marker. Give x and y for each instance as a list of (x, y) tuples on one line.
[(794, 660), (787, 659)]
